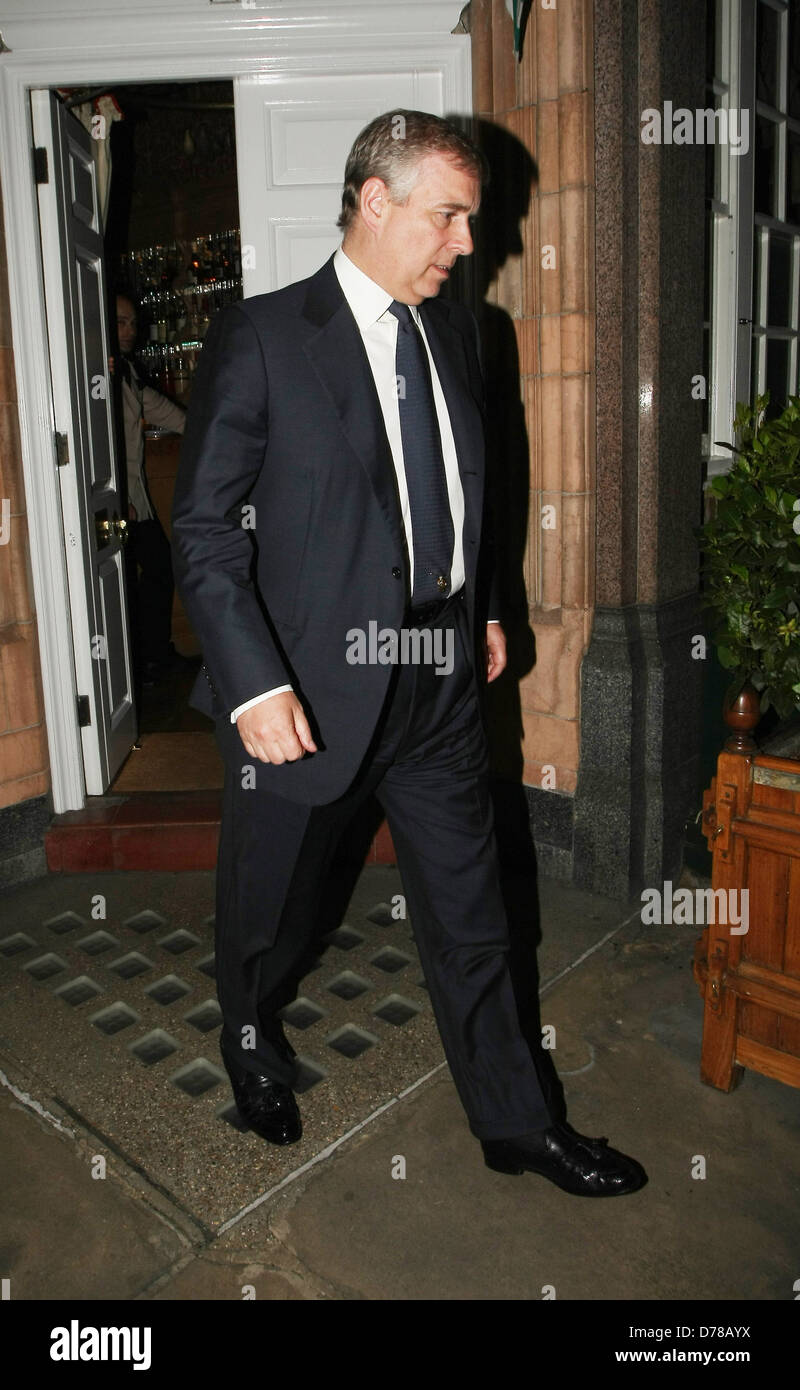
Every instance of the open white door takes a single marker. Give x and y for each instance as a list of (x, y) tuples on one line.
[(294, 131), (72, 255)]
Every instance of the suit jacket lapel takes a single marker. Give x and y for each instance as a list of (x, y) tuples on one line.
[(339, 358), (449, 353)]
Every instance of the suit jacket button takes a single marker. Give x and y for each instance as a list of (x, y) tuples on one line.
[(396, 572)]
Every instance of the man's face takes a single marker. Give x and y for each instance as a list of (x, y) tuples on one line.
[(126, 324), (419, 241)]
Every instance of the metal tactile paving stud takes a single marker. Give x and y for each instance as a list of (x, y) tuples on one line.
[(97, 943), (301, 1013), (351, 1041), (308, 1073), (390, 960), (153, 1047), (145, 921), (131, 965), (166, 990), (205, 1017), (78, 991), (178, 942), (344, 938), (230, 1114), (381, 915), (346, 985), (45, 966), (64, 922), (16, 944), (208, 967), (397, 1010), (197, 1077), (113, 1019)]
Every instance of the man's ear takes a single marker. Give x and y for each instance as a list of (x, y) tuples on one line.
[(373, 201)]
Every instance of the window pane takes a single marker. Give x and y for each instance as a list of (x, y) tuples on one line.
[(711, 50), (704, 404), (792, 177), (780, 281), (764, 160), (712, 160), (777, 374), (794, 59), (757, 315), (767, 55), (754, 355), (708, 263)]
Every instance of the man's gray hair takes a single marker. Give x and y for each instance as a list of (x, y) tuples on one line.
[(391, 148)]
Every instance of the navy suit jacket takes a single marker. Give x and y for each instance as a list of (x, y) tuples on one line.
[(286, 525)]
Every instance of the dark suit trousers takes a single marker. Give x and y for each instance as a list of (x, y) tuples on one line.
[(428, 767)]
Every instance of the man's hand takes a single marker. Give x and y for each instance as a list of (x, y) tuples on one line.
[(276, 730), (495, 651)]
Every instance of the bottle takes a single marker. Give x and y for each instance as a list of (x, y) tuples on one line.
[(161, 329), (180, 377)]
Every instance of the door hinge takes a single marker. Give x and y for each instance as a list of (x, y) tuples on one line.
[(40, 169), (62, 450), (84, 711)]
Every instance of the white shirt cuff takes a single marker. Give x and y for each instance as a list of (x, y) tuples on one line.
[(240, 709)]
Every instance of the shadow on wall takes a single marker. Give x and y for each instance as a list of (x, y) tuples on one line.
[(505, 205)]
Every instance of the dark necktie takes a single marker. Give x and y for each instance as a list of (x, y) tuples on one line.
[(431, 520)]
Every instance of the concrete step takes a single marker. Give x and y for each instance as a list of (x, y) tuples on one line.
[(173, 831)]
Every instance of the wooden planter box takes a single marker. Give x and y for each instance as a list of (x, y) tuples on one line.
[(750, 982)]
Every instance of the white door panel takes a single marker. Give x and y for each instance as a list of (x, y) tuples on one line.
[(293, 135)]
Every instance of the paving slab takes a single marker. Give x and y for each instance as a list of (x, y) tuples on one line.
[(452, 1229), (387, 1197), (67, 1232)]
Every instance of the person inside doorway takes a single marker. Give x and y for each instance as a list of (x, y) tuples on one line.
[(150, 583)]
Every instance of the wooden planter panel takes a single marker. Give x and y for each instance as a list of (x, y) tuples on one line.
[(750, 983)]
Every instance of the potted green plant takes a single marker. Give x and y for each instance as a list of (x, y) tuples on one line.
[(751, 545)]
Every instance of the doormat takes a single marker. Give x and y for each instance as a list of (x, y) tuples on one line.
[(172, 763)]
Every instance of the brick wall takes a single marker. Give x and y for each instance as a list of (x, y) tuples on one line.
[(24, 762), (546, 102)]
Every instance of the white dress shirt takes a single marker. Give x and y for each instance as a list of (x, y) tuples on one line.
[(141, 403), (369, 304)]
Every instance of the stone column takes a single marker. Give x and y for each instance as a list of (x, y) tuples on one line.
[(640, 685), (600, 719)]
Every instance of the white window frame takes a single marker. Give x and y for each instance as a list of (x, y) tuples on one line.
[(739, 261)]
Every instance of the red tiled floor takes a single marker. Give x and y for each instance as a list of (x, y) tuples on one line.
[(173, 831), (179, 848)]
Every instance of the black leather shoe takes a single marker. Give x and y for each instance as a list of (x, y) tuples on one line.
[(579, 1165), (267, 1107)]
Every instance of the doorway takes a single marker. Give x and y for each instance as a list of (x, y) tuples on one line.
[(158, 182), (173, 256), (299, 99)]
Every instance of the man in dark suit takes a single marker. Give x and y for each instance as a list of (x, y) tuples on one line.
[(326, 534)]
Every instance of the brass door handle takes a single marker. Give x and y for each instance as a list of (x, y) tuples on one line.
[(106, 530)]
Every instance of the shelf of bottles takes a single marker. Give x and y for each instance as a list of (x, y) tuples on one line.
[(179, 287)]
